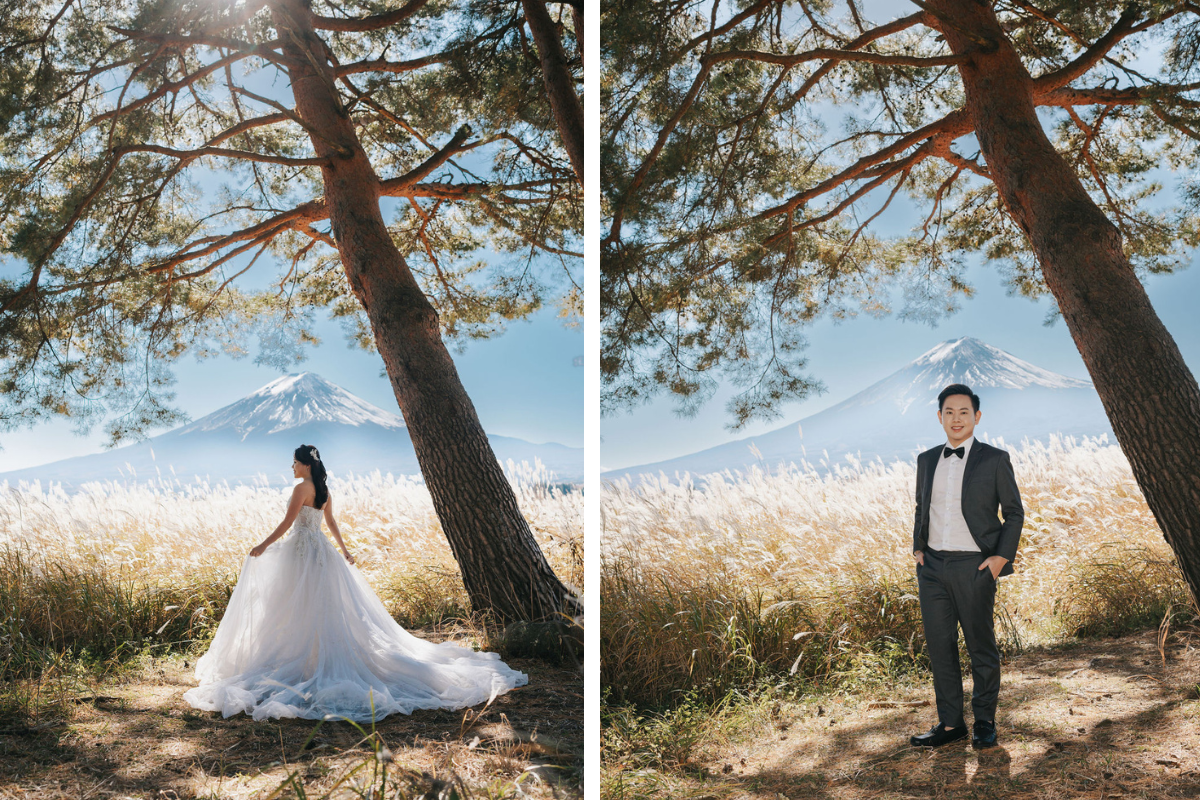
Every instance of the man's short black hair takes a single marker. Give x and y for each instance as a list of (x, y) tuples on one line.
[(958, 388)]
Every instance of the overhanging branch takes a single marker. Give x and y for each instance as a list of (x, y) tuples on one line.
[(174, 86), (371, 23), (383, 65), (956, 123), (826, 53), (706, 65), (199, 152), (1132, 95), (203, 40), (247, 125), (1089, 57), (304, 215), (444, 154)]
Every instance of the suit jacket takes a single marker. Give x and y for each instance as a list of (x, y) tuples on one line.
[(988, 486)]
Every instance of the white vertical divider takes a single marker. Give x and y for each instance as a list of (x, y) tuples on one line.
[(591, 394)]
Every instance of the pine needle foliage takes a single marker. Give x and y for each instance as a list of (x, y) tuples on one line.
[(755, 157), (159, 195)]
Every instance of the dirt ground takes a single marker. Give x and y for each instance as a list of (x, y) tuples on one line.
[(139, 738), (1103, 719)]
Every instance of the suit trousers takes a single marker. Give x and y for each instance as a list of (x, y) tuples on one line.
[(953, 591)]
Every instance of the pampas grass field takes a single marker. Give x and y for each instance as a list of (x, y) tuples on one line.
[(109, 593), (717, 583), (112, 569), (761, 638)]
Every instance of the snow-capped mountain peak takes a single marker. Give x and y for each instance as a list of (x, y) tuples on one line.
[(978, 364), (967, 360), (291, 401)]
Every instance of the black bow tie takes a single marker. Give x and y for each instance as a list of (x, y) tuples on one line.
[(949, 451)]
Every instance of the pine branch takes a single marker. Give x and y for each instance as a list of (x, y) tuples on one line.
[(455, 145), (951, 126), (1079, 66), (1134, 95), (300, 215), (639, 177), (300, 218), (824, 53), (202, 40), (247, 125), (174, 86), (30, 290), (884, 173), (372, 23), (383, 65), (199, 152), (394, 187)]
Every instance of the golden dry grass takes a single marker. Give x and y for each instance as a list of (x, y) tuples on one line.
[(723, 573), (713, 584), (112, 566), (96, 583), (748, 623), (181, 536)]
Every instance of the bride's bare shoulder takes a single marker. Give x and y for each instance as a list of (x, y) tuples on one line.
[(305, 491)]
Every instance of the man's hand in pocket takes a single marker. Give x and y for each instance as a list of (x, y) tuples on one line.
[(995, 564)]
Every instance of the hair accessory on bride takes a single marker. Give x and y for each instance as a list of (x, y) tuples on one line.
[(312, 451)]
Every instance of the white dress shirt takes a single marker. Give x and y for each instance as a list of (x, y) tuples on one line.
[(947, 528)]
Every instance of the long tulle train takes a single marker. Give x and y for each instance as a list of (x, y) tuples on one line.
[(304, 635)]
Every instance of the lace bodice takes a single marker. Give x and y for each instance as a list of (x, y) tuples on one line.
[(306, 530), (309, 518)]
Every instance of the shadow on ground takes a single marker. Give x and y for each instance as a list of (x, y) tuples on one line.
[(139, 738), (1098, 719)]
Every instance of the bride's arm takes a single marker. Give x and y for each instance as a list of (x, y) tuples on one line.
[(293, 511), (333, 528)]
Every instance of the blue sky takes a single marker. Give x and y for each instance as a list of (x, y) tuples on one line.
[(523, 383), (850, 356)]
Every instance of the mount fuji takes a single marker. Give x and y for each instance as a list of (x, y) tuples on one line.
[(252, 440), (896, 418)]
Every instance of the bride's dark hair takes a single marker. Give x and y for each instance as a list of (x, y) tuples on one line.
[(307, 454)]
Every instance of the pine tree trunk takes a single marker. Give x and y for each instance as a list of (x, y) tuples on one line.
[(502, 567), (560, 86), (1147, 390)]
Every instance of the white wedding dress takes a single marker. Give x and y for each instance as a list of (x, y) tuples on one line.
[(304, 635)]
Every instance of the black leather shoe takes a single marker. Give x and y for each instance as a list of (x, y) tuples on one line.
[(938, 736), (984, 734)]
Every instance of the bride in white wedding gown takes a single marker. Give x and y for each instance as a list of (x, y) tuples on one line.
[(304, 635)]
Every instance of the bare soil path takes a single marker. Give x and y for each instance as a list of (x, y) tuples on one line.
[(139, 738), (1101, 719)]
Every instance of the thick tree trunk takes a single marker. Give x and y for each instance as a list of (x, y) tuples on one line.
[(560, 86), (501, 564), (1148, 392)]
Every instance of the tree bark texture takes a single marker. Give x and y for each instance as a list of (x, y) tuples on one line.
[(560, 86), (1148, 392), (502, 567)]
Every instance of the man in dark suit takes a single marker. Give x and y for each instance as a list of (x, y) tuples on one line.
[(962, 548)]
